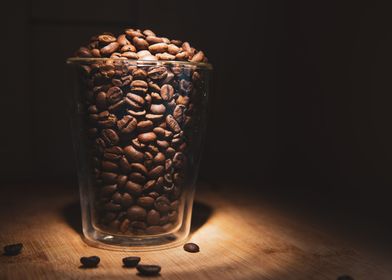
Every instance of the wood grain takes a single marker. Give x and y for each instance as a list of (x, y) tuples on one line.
[(240, 238)]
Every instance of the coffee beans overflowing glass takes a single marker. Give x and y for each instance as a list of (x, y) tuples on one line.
[(138, 122)]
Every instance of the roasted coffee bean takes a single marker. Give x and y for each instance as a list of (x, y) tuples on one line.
[(127, 124), (123, 41), (106, 39), (126, 200), (89, 262), (198, 57), (117, 197), (148, 32), (159, 158), (182, 56), (173, 49), (148, 270), (145, 201), (153, 217), (162, 144), (140, 43), (149, 185), (136, 213), (136, 99), (162, 204), (110, 136), (109, 166), (158, 48), (133, 188), (138, 225), (125, 225), (109, 177), (154, 40), (13, 249), (165, 56), (114, 94), (154, 117), (172, 124), (133, 155), (179, 113), (110, 48), (137, 114), (138, 167), (124, 165), (170, 152), (133, 33), (112, 206), (157, 73), (154, 230), (83, 52), (185, 86), (179, 160), (157, 109), (191, 247), (156, 172), (139, 74), (113, 153), (137, 177), (101, 100), (144, 126), (131, 261), (147, 137)]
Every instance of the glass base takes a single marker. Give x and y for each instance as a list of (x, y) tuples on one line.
[(104, 240)]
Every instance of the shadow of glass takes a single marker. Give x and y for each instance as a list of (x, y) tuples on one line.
[(200, 215)]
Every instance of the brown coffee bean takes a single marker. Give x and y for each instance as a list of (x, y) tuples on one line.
[(166, 56), (144, 126), (127, 124), (178, 43), (173, 124), (109, 166), (136, 98), (131, 261), (154, 40), (198, 57), (140, 43), (121, 180), (154, 230), (157, 109), (109, 177), (113, 153), (114, 94), (117, 197), (136, 213), (108, 190), (158, 48), (110, 136), (133, 155), (95, 53), (139, 74), (159, 158), (162, 144), (106, 39), (137, 114), (154, 117), (156, 172), (173, 49), (133, 188), (110, 48), (138, 167), (139, 86), (126, 200), (178, 178), (170, 152), (179, 113), (179, 160), (191, 247), (106, 120), (148, 32), (124, 165), (83, 52), (137, 177), (101, 100), (147, 137), (185, 87), (153, 217), (149, 185), (124, 225), (157, 73), (110, 206), (137, 144), (182, 56), (148, 270), (129, 55), (162, 204), (145, 201), (133, 33)]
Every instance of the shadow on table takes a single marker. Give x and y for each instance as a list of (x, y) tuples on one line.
[(200, 215)]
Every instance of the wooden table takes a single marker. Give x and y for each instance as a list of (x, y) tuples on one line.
[(240, 238)]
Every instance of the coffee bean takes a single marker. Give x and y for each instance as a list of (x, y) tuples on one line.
[(162, 204), (13, 249), (89, 262), (131, 261), (124, 226), (149, 185), (154, 40), (154, 117), (159, 158), (179, 160), (148, 32), (140, 43), (156, 172), (113, 153), (106, 39), (166, 56), (83, 52), (154, 230), (173, 124), (173, 49), (136, 213), (179, 113), (145, 201), (109, 177), (144, 126), (109, 166), (110, 136), (101, 100), (148, 270), (191, 247), (114, 94), (133, 155), (110, 206), (137, 177), (157, 73), (136, 98), (138, 167), (153, 217), (157, 109), (147, 137), (127, 124), (133, 33), (158, 48), (182, 56), (198, 57), (108, 190), (133, 188), (110, 48)]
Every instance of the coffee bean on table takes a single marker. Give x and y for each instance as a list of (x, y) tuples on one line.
[(131, 261), (148, 270), (13, 249), (191, 247), (89, 262)]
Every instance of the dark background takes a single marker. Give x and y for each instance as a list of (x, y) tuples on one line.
[(300, 106)]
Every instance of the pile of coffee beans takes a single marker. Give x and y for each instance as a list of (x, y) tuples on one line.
[(143, 120)]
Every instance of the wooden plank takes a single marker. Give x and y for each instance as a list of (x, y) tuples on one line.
[(239, 237)]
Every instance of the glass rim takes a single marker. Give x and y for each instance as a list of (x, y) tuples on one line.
[(203, 65)]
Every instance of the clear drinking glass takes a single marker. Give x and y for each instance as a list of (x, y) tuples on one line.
[(138, 129)]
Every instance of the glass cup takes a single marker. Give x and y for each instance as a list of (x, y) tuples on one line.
[(138, 129)]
